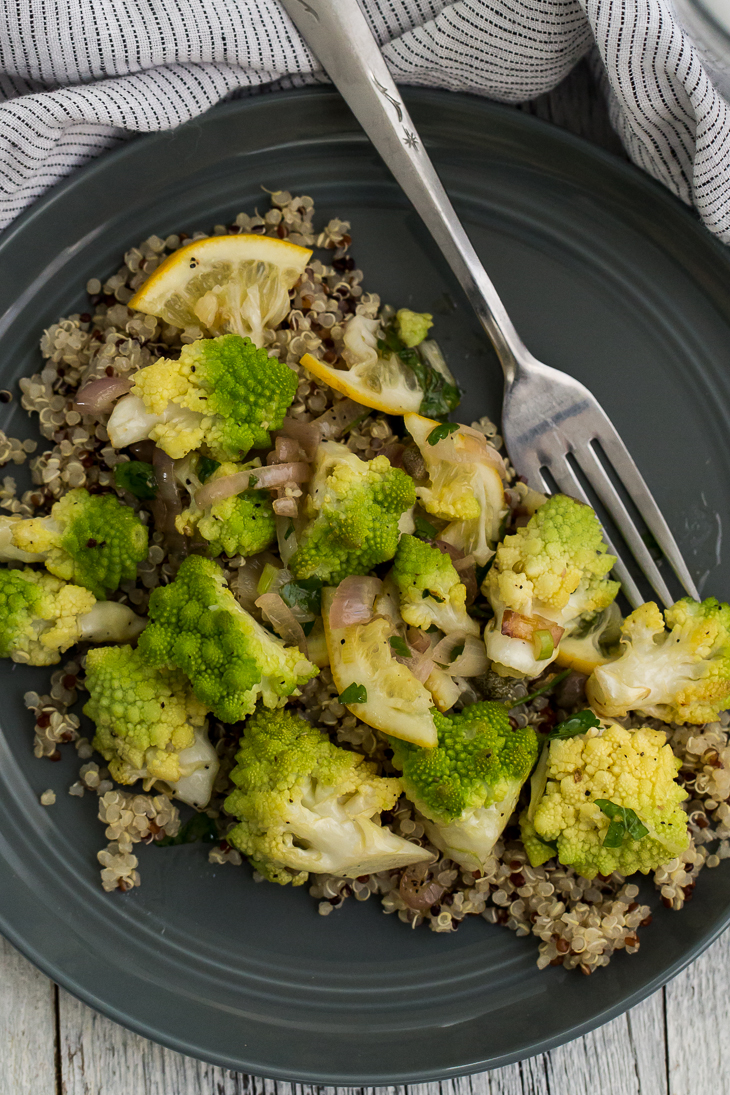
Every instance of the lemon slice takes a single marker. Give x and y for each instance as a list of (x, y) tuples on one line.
[(385, 384), (397, 703), (225, 284), (580, 656)]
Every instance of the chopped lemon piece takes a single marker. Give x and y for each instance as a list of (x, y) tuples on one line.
[(385, 384), (225, 284), (397, 703)]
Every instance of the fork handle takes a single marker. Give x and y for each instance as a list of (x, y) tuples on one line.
[(340, 38)]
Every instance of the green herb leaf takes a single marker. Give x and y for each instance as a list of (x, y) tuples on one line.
[(307, 628), (576, 724), (438, 433), (289, 530), (624, 821), (138, 478), (199, 827), (424, 529), (305, 594), (543, 689), (354, 693), (206, 467), (400, 647)]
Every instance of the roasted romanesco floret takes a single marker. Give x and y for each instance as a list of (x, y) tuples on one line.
[(464, 485), (429, 587), (679, 672), (631, 769), (149, 724), (197, 625), (222, 394), (546, 578), (352, 513), (91, 539), (468, 786), (242, 524), (41, 616), (412, 327), (307, 805)]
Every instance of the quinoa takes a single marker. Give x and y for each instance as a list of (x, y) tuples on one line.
[(578, 923)]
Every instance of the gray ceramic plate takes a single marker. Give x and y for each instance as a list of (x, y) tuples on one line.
[(607, 277)]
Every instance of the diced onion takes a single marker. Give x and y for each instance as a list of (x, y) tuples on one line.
[(282, 619), (286, 507), (353, 601), (97, 396), (286, 450), (307, 434)]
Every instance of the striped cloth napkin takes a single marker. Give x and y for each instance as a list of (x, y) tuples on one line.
[(80, 76)]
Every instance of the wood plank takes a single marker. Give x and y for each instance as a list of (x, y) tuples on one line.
[(100, 1058), (628, 1054), (697, 1007), (27, 1027)]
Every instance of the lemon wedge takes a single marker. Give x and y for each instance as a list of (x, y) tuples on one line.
[(397, 703), (385, 384), (224, 284)]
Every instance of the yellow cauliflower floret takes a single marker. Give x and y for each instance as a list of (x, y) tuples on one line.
[(635, 769)]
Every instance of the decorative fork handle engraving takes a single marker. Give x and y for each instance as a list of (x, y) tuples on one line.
[(309, 9), (384, 91)]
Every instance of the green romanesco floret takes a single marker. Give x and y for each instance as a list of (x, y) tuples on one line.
[(91, 539), (307, 805), (467, 787), (197, 625), (634, 769), (149, 725), (412, 327), (551, 571), (429, 587), (222, 395), (242, 524), (352, 515), (41, 616), (676, 669)]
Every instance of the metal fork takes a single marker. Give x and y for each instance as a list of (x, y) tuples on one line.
[(547, 416)]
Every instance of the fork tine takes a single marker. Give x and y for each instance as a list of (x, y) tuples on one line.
[(569, 483), (604, 488), (633, 481)]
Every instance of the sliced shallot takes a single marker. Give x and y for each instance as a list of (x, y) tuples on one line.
[(276, 475), (282, 619), (470, 661), (97, 396), (419, 895), (217, 490), (353, 601)]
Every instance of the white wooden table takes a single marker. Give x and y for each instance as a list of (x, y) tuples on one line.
[(675, 1043)]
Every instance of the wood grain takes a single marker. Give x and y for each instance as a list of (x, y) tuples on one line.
[(27, 1027), (698, 1010)]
